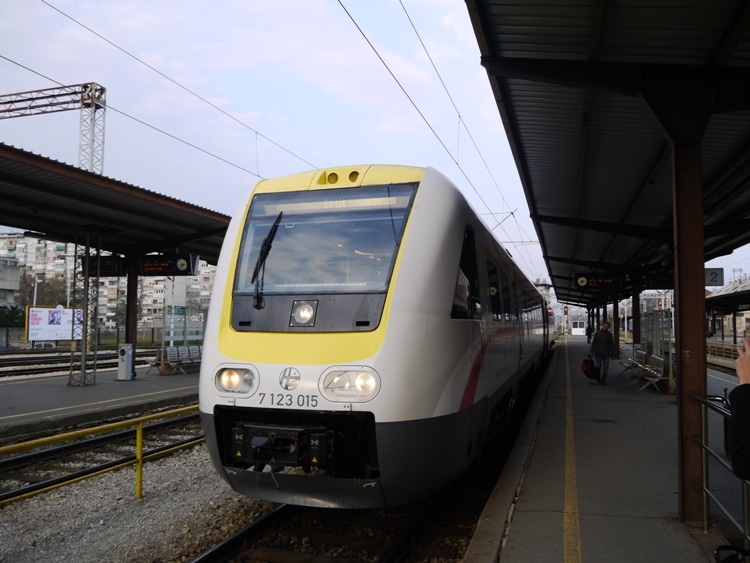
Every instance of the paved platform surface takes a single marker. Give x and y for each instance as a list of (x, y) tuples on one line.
[(593, 476), (35, 405)]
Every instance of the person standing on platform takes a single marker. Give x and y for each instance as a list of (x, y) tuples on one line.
[(739, 405), (603, 348), (589, 332)]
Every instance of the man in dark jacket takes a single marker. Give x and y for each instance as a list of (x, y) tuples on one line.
[(739, 404), (603, 348)]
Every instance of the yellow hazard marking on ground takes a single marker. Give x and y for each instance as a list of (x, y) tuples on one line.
[(97, 403), (571, 529)]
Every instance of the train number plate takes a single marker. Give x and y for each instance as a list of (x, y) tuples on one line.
[(287, 400)]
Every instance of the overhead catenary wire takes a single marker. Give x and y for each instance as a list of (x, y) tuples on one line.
[(427, 122), (462, 125), (185, 88)]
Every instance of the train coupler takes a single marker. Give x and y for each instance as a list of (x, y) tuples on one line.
[(286, 446)]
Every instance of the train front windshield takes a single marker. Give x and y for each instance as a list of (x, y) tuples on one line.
[(327, 241)]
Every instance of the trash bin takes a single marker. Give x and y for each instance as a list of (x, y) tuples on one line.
[(125, 362)]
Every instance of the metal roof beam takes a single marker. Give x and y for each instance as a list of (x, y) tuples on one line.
[(651, 233), (730, 84), (189, 237), (594, 265)]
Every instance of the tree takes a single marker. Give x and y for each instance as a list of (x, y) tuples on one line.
[(50, 292), (120, 312), (12, 316)]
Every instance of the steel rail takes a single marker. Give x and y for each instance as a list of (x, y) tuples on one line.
[(57, 482), (137, 459), (31, 365), (93, 430), (228, 547), (16, 462)]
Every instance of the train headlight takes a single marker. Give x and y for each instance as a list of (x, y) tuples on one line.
[(235, 380), (303, 313), (350, 384)]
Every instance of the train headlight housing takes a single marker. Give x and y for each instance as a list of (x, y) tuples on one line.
[(236, 380), (303, 313), (356, 384)]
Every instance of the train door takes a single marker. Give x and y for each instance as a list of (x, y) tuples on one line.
[(467, 303), (498, 345)]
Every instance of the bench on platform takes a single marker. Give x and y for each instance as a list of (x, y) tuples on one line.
[(173, 359), (651, 373), (183, 353), (176, 357), (647, 370), (195, 353), (634, 363), (190, 356), (156, 362)]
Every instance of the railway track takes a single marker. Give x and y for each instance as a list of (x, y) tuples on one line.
[(293, 533), (439, 529), (50, 467), (60, 362)]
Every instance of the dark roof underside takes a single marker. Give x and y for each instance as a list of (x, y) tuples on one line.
[(64, 203), (570, 80)]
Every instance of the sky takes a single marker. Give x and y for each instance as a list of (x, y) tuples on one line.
[(206, 98)]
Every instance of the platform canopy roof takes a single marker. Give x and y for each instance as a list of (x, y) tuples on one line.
[(576, 83), (64, 203), (731, 298)]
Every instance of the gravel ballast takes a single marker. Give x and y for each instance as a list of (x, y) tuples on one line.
[(186, 508)]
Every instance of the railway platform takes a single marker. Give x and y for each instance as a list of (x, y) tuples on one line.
[(593, 476), (33, 406)]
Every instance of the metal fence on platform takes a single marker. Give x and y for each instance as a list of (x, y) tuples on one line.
[(727, 504), (14, 338)]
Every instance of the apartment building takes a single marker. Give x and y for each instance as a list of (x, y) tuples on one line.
[(9, 276), (157, 295)]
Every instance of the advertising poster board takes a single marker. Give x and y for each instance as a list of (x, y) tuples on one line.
[(48, 323)]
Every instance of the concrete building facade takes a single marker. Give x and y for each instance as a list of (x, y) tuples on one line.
[(46, 260)]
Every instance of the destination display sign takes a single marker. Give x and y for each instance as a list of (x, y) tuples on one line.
[(106, 266), (168, 265), (659, 281), (597, 281), (149, 265)]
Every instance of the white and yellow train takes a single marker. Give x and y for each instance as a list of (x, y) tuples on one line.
[(366, 336)]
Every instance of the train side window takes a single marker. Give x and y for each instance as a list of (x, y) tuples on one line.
[(506, 298), (466, 302), (461, 297), (496, 309)]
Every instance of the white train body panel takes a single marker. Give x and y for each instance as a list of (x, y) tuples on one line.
[(435, 383)]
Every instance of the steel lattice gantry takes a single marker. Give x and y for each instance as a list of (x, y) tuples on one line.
[(89, 98)]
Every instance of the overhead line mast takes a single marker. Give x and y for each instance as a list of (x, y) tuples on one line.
[(89, 98)]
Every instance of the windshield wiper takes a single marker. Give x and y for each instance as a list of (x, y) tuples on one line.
[(260, 263)]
